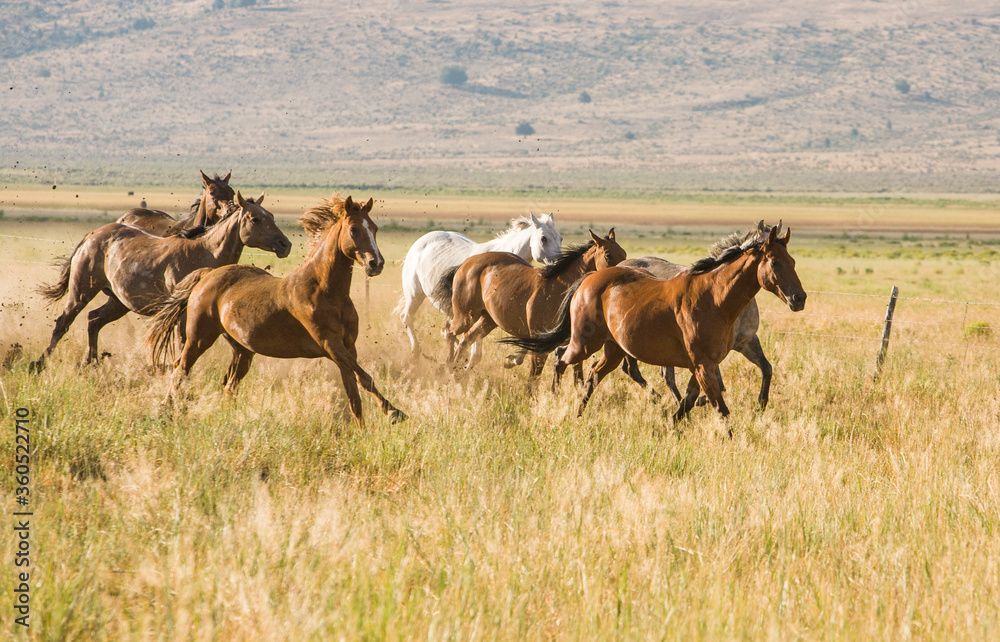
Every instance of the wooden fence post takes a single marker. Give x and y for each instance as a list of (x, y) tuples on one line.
[(368, 302), (885, 331)]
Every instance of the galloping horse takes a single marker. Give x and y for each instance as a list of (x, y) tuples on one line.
[(500, 289), (745, 340), (684, 322), (437, 252), (207, 210), (135, 268), (308, 314)]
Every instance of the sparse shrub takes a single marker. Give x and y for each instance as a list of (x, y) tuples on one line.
[(524, 129), (629, 135), (826, 142), (219, 5), (903, 86), (584, 97), (978, 330), (141, 24), (454, 75), (44, 72), (854, 131)]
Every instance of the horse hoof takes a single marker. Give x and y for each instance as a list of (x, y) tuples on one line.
[(36, 367), (510, 362), (702, 401), (397, 416)]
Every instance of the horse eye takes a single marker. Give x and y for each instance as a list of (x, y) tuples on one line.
[(544, 240), (354, 231)]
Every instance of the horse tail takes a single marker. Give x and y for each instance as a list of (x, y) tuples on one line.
[(57, 290), (445, 287), (558, 336), (168, 312)]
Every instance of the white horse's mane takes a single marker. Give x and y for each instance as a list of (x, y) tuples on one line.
[(516, 225)]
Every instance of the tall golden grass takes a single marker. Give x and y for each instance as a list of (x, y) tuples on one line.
[(850, 509)]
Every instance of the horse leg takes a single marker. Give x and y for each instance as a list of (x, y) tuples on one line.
[(512, 360), (608, 363), (238, 367), (752, 350), (537, 362), (200, 338), (410, 305), (630, 366), (690, 397), (483, 327), (455, 326), (112, 310), (708, 378), (670, 379), (347, 361), (78, 300)]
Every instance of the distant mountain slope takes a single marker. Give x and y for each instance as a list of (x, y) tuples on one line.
[(727, 95)]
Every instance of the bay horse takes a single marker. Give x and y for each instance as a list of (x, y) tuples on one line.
[(745, 339), (684, 322), (208, 210), (307, 314), (135, 268), (434, 253), (499, 289)]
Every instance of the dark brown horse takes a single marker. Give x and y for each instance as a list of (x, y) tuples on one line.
[(745, 339), (501, 289), (308, 314), (208, 210), (684, 322), (136, 269)]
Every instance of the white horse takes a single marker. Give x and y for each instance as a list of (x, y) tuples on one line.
[(434, 253)]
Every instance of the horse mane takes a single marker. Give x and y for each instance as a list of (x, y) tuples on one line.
[(729, 248), (192, 233), (319, 219), (565, 259), (194, 206), (516, 225)]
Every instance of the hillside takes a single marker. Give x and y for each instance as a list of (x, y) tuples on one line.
[(717, 95)]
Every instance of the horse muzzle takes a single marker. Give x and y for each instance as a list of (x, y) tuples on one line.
[(373, 266), (283, 248), (797, 302)]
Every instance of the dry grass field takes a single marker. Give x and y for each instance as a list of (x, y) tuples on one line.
[(850, 509)]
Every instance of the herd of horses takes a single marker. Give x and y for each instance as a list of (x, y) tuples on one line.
[(582, 300)]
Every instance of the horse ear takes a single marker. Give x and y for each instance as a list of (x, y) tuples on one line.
[(760, 225), (367, 207), (348, 203), (786, 236), (534, 220), (550, 218), (611, 234), (260, 199), (240, 200), (773, 234), (597, 239), (204, 178), (225, 179)]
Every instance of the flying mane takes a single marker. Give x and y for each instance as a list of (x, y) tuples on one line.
[(516, 225), (565, 259), (730, 248), (321, 218)]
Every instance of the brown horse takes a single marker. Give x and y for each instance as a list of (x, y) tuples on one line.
[(684, 322), (136, 269), (745, 339), (308, 314), (208, 210), (501, 289)]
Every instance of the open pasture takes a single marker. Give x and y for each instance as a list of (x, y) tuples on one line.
[(851, 508)]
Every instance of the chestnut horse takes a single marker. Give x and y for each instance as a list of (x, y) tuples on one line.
[(308, 314), (684, 322), (135, 268), (501, 289), (208, 210), (745, 339)]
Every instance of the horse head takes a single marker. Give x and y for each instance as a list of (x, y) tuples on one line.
[(357, 236), (546, 241), (258, 229), (218, 195), (776, 271), (606, 251)]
